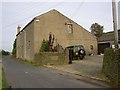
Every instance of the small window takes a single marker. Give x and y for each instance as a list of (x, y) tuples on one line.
[(91, 47), (70, 28)]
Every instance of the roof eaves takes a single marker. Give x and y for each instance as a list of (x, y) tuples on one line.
[(26, 26)]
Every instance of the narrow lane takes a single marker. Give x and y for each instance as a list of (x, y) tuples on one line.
[(20, 75)]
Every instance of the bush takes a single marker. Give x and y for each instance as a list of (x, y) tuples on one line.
[(44, 46), (0, 54), (14, 51), (111, 65), (5, 52), (14, 48)]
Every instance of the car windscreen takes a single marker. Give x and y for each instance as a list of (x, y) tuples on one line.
[(81, 47), (76, 48)]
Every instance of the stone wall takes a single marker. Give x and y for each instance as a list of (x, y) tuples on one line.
[(51, 58), (25, 43), (57, 24)]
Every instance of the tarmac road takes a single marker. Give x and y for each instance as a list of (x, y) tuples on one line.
[(20, 75)]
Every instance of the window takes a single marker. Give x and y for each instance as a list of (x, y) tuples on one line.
[(91, 47), (28, 44), (70, 28)]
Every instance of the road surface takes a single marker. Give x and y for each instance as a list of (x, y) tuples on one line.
[(20, 75)]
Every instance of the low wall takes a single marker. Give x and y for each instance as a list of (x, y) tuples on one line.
[(51, 58), (111, 66)]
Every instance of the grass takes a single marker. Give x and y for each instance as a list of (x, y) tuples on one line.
[(4, 81), (0, 75), (27, 61)]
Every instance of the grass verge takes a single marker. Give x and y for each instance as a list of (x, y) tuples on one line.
[(27, 62), (0, 75), (4, 81)]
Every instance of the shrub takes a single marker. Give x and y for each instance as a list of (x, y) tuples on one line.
[(111, 65), (44, 46), (5, 52), (14, 48)]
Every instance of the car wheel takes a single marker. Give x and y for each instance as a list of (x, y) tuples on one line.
[(81, 57)]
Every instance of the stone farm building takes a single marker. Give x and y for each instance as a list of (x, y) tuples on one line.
[(107, 41), (65, 31)]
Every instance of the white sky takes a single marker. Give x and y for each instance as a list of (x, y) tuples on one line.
[(119, 15), (14, 12)]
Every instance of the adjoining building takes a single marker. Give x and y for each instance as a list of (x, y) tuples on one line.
[(107, 41), (66, 33)]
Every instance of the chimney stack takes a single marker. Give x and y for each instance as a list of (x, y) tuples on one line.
[(18, 29)]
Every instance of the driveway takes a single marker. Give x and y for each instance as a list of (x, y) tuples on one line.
[(90, 66), (21, 75)]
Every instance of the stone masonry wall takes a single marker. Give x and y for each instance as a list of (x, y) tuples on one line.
[(51, 58)]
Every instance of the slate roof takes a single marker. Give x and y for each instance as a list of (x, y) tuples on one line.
[(109, 36)]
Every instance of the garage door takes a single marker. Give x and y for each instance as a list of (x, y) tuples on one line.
[(102, 47)]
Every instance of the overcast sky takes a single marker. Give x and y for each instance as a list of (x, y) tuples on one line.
[(20, 12)]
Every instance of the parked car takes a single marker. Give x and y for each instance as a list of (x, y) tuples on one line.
[(76, 52)]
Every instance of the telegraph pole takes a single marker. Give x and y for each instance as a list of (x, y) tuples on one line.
[(115, 23)]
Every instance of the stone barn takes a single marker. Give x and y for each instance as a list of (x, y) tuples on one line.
[(66, 33)]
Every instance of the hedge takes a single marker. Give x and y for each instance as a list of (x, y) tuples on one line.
[(111, 66)]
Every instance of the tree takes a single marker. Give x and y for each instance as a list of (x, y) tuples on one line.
[(14, 48), (97, 29), (5, 52), (51, 42), (44, 46)]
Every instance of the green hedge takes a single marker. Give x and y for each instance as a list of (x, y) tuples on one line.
[(3, 52), (111, 65)]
